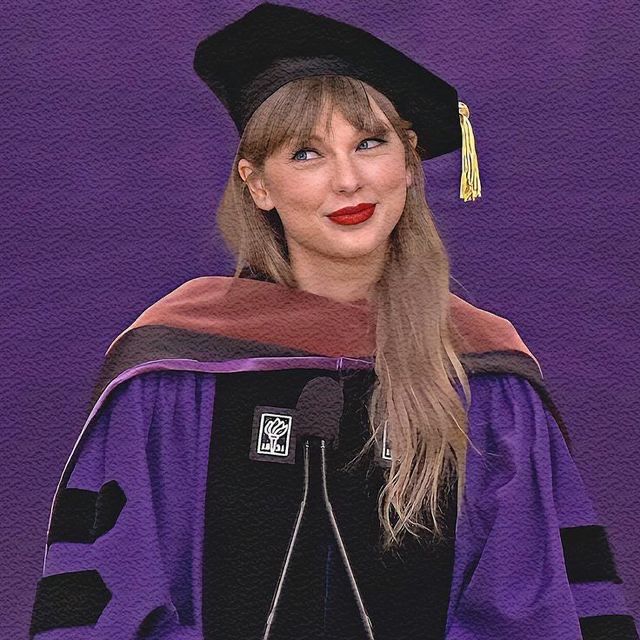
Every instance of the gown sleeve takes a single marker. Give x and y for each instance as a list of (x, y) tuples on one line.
[(123, 545), (532, 557)]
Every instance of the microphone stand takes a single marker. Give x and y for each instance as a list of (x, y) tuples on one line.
[(343, 552), (292, 541), (366, 621)]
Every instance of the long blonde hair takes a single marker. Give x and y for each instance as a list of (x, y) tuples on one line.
[(416, 364)]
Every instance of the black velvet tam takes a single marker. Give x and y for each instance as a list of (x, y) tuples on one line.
[(249, 59)]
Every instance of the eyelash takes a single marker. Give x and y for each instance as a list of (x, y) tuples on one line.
[(381, 140)]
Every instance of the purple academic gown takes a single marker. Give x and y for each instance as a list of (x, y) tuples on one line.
[(148, 436)]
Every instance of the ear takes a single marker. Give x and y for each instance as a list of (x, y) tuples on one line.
[(413, 138), (256, 185)]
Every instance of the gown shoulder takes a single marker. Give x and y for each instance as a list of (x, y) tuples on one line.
[(533, 558)]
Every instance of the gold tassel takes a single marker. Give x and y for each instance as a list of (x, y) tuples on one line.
[(470, 187)]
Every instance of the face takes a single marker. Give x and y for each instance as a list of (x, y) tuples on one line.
[(344, 167)]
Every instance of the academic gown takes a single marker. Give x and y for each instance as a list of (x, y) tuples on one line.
[(206, 497)]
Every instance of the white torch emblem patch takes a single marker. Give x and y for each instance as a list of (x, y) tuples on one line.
[(274, 435)]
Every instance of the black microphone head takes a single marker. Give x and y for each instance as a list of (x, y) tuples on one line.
[(319, 410)]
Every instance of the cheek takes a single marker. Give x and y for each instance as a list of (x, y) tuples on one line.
[(391, 175), (391, 182), (298, 192)]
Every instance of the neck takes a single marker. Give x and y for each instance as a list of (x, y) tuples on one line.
[(341, 279)]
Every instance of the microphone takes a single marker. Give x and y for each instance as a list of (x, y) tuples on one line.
[(319, 409)]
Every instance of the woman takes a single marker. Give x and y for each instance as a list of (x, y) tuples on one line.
[(333, 445)]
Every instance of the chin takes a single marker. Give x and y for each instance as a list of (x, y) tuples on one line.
[(354, 247), (358, 241)]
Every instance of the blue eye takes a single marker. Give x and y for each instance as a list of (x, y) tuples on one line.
[(380, 140), (306, 150), (293, 157)]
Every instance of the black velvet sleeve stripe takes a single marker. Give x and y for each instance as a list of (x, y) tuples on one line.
[(73, 516), (68, 600), (81, 515), (613, 627), (109, 504), (587, 554)]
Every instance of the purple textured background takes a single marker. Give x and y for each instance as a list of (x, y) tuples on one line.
[(114, 155)]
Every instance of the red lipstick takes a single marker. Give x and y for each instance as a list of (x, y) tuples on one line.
[(353, 215)]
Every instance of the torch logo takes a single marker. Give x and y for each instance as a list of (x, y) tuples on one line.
[(274, 435)]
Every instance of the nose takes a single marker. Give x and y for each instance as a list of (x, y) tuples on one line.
[(346, 175)]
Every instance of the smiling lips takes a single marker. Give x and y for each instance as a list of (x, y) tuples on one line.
[(353, 215)]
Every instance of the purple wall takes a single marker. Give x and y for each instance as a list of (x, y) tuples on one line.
[(113, 159)]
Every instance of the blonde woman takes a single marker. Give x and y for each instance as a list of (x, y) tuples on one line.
[(329, 443)]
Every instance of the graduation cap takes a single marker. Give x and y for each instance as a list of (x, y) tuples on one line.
[(249, 59)]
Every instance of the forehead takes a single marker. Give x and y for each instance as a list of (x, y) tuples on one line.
[(331, 118), (320, 135)]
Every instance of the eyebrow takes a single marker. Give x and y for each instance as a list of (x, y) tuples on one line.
[(377, 130)]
